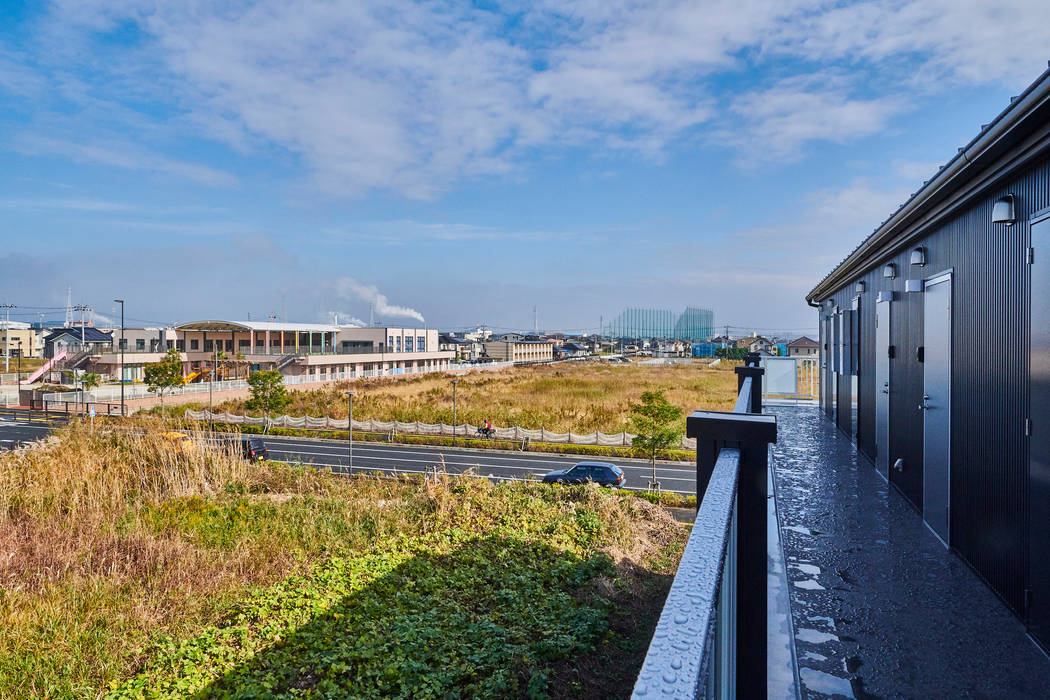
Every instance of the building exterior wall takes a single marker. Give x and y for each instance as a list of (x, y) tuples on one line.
[(989, 382), (9, 342), (506, 351)]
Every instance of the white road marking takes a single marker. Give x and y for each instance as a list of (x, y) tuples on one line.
[(359, 470), (552, 457), (448, 462)]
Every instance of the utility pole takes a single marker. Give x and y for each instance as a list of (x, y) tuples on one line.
[(535, 321), (7, 335), (122, 342)]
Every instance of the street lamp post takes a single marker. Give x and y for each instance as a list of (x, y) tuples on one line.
[(211, 383), (350, 432), (122, 343), (454, 382)]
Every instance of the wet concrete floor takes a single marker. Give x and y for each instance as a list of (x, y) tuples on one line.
[(880, 607)]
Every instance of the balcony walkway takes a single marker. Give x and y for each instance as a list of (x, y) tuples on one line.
[(880, 607)]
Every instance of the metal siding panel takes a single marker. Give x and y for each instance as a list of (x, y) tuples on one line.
[(990, 389)]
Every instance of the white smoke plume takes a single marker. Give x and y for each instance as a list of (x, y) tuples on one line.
[(340, 318), (347, 286)]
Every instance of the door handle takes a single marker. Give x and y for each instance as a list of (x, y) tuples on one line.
[(925, 405), (885, 387)]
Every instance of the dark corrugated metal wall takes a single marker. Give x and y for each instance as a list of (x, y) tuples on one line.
[(989, 378)]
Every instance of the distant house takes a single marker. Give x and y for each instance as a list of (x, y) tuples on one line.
[(574, 350), (803, 347), (74, 340), (763, 346)]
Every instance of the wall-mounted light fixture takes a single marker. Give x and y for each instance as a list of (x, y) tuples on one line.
[(860, 287), (918, 256), (1003, 211), (890, 271)]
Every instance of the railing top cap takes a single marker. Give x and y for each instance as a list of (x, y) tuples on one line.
[(718, 425)]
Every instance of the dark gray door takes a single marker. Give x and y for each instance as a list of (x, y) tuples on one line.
[(936, 403), (882, 388), (1039, 444), (828, 386)]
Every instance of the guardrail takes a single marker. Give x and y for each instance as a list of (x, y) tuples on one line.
[(711, 640)]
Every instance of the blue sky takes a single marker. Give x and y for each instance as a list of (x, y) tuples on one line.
[(464, 163)]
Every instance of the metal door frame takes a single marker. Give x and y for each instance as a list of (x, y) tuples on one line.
[(1039, 217), (938, 278), (883, 356)]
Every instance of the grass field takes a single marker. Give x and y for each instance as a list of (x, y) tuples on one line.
[(142, 567), (583, 397)]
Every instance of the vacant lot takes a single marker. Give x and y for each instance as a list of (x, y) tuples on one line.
[(147, 567), (583, 397)]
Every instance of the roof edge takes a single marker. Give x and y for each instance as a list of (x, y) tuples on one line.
[(1035, 95)]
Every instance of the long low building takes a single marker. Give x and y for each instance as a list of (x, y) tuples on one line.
[(295, 349), (520, 351)]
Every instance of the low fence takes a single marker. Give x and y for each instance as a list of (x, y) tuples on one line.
[(141, 391), (515, 433)]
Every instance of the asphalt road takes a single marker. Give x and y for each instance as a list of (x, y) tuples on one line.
[(497, 464), (14, 431), (402, 459)]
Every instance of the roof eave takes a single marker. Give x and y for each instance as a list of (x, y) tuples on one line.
[(947, 179)]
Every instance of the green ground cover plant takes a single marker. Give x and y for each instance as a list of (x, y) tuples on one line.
[(140, 566)]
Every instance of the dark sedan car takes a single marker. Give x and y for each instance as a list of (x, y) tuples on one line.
[(253, 449), (601, 473)]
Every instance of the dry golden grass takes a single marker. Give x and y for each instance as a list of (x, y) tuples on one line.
[(112, 540), (583, 397)]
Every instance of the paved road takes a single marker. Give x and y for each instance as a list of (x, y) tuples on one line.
[(402, 459), (493, 463), (16, 430)]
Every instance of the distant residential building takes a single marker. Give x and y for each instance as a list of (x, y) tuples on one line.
[(75, 340), (572, 349), (763, 346), (803, 347), (519, 352), (17, 338)]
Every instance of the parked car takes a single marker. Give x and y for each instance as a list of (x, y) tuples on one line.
[(601, 473), (253, 448)]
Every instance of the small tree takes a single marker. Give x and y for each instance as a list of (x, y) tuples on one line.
[(268, 393), (164, 375), (658, 424)]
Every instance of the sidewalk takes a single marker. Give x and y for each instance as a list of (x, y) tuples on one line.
[(880, 607)]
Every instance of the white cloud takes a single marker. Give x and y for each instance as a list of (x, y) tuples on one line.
[(122, 155), (956, 40), (776, 123), (413, 98), (72, 204)]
